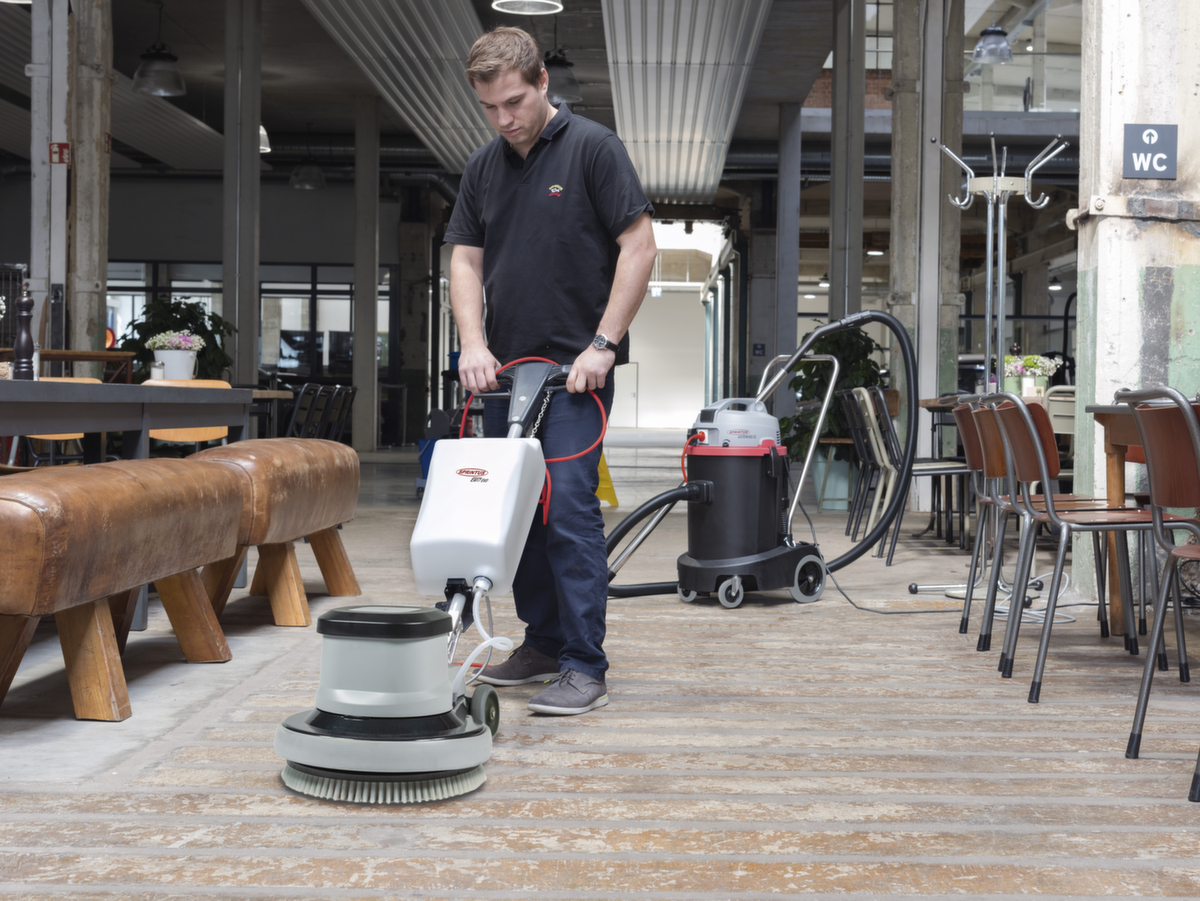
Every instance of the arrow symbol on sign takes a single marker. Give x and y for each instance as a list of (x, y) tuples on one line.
[(1150, 136)]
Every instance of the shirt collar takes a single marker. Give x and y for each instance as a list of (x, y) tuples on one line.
[(558, 123)]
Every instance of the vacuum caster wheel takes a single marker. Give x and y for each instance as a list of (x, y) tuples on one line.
[(809, 581), (485, 707), (730, 592), (686, 596)]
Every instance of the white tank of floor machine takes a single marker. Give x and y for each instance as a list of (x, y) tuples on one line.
[(736, 422), (480, 498)]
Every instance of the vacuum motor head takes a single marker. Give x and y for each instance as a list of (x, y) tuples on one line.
[(736, 422)]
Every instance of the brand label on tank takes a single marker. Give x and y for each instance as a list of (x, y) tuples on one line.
[(738, 432), (475, 475)]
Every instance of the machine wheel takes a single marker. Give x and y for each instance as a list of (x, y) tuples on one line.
[(730, 592), (808, 583), (485, 707), (686, 596)]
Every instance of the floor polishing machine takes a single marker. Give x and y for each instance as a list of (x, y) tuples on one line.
[(392, 724)]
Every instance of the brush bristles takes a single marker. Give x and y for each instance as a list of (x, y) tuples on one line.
[(369, 791)]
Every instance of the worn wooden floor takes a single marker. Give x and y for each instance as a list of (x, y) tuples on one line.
[(770, 751)]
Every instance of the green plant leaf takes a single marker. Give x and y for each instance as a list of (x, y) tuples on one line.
[(163, 314)]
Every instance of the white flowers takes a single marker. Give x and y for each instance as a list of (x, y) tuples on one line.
[(175, 341)]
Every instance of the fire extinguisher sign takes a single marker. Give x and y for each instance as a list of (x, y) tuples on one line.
[(1150, 151), (60, 154)]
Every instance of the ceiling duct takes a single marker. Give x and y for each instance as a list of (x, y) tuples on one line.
[(415, 52), (149, 124), (679, 69)]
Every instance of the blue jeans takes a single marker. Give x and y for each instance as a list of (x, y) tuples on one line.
[(561, 587)]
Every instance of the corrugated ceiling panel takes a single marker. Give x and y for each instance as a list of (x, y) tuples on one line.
[(414, 52), (14, 135), (679, 70), (150, 124)]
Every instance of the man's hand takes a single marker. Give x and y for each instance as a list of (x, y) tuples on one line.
[(589, 370), (477, 369)]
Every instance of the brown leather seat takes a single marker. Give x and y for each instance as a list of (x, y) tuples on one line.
[(80, 540), (293, 488)]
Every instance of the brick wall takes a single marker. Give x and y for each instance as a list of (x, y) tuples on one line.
[(821, 95)]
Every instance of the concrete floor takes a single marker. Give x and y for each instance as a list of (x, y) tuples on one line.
[(774, 750)]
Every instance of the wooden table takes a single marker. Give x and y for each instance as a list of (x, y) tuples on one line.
[(1120, 434), (123, 359), (41, 408)]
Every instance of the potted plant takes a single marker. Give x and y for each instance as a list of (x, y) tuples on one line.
[(164, 315), (853, 349), (1023, 374), (177, 352)]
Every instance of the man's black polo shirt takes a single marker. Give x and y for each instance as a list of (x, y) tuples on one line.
[(548, 226)]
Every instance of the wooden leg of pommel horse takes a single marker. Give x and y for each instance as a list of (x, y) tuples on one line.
[(196, 627), (15, 634), (281, 580), (340, 580), (94, 671), (219, 578)]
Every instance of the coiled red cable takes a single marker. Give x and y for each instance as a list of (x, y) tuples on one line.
[(545, 501)]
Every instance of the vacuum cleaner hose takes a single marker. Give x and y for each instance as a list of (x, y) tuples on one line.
[(910, 437), (692, 491)]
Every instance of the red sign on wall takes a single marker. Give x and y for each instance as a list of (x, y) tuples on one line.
[(107, 143), (60, 154)]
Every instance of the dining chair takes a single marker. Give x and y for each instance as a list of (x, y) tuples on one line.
[(1170, 436), (927, 467), (344, 402), (1002, 493), (1026, 431), (308, 412), (193, 436), (52, 457), (868, 464)]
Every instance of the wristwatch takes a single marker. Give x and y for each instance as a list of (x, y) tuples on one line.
[(601, 342)]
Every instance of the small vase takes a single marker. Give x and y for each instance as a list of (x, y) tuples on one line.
[(1012, 383), (178, 365)]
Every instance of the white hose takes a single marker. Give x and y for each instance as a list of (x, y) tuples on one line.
[(498, 642)]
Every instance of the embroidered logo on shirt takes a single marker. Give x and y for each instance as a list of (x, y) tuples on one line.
[(555, 191)]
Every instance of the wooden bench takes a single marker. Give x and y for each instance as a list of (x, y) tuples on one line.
[(293, 488), (80, 541)]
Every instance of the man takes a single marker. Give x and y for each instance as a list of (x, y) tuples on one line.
[(553, 249)]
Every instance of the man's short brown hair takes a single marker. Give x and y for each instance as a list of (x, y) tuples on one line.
[(501, 50)]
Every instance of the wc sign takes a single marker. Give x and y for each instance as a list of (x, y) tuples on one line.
[(1150, 151)]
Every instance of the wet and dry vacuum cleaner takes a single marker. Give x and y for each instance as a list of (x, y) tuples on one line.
[(390, 726)]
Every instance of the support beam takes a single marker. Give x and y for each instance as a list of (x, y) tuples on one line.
[(39, 163), (846, 139), (1138, 322), (92, 104), (243, 100), (365, 414), (787, 243)]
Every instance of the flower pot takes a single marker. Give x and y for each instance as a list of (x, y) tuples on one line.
[(1012, 383), (177, 364)]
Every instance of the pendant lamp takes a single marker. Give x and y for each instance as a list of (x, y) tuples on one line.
[(159, 74)]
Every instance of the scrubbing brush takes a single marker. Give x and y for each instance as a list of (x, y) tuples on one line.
[(382, 788)]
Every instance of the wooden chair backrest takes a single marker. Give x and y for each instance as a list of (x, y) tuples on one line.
[(1021, 442), (990, 443), (1170, 456), (190, 436), (969, 435)]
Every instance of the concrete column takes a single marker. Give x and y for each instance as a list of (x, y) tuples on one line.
[(365, 414), (1038, 100), (60, 136), (846, 142), (412, 319), (243, 99), (787, 244), (764, 324), (39, 163), (92, 102), (950, 298), (1139, 260)]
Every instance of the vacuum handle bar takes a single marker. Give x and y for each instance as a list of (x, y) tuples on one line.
[(851, 321)]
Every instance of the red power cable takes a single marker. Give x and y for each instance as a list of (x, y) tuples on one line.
[(545, 501), (683, 456)]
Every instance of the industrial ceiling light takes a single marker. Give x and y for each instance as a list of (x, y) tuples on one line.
[(527, 7), (874, 253), (564, 87), (159, 74), (264, 143), (1055, 284), (992, 48), (824, 282), (308, 175)]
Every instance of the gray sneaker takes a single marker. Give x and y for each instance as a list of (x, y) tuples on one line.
[(523, 665), (571, 693)]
